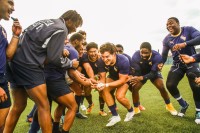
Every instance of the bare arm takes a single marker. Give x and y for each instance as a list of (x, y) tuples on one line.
[(11, 49)]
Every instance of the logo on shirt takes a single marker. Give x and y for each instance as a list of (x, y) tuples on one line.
[(115, 68), (183, 38), (107, 68)]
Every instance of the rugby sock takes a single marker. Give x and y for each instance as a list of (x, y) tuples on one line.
[(55, 126), (136, 104), (197, 106), (181, 101), (78, 100), (63, 113), (113, 110), (130, 110), (167, 101), (82, 99), (89, 99), (101, 103), (34, 127), (32, 111), (63, 131)]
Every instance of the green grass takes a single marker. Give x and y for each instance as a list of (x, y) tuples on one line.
[(153, 120)]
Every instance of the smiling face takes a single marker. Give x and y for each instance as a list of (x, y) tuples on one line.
[(108, 59), (173, 27), (145, 53), (6, 8), (93, 54)]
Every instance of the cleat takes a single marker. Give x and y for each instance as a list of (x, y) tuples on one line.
[(171, 109), (129, 116), (113, 121), (183, 110), (136, 110), (89, 109), (83, 108), (81, 116), (197, 120), (102, 113), (142, 108)]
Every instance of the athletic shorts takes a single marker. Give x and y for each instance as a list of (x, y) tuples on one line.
[(158, 75), (57, 88), (4, 85), (25, 77)]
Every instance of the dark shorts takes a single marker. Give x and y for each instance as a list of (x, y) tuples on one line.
[(158, 75), (24, 76), (57, 88), (4, 85)]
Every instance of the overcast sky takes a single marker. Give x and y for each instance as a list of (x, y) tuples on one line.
[(128, 22)]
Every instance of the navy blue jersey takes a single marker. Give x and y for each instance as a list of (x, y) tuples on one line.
[(44, 40), (130, 61), (53, 72), (85, 59), (73, 53), (122, 66), (144, 67), (3, 46), (189, 35)]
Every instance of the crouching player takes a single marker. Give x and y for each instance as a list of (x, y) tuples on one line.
[(145, 63), (118, 67)]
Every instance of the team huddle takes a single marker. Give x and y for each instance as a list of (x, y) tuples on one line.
[(44, 64)]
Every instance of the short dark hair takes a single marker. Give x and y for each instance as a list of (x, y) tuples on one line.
[(82, 32), (108, 47), (73, 16), (174, 18), (146, 45), (91, 45), (76, 36), (119, 45)]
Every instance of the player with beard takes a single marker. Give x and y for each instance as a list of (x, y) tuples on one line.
[(145, 64), (181, 40), (41, 43)]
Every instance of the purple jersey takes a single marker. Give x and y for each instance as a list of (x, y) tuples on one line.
[(189, 35), (85, 59), (3, 46), (53, 72), (122, 66), (144, 67)]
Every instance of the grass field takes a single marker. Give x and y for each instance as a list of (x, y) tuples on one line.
[(155, 119)]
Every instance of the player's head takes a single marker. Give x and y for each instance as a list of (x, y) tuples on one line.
[(79, 48), (108, 53), (120, 48), (173, 26), (145, 50), (84, 34), (6, 8), (73, 20), (76, 39), (92, 51)]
